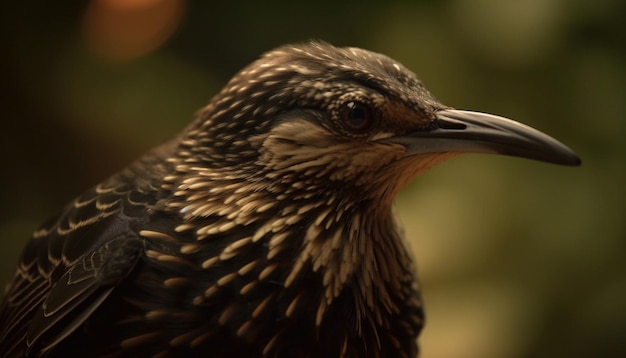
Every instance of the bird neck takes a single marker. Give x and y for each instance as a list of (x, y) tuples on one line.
[(363, 254), (321, 255), (353, 244)]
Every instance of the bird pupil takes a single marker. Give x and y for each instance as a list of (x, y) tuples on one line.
[(358, 116)]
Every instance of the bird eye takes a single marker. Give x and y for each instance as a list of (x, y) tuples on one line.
[(356, 116)]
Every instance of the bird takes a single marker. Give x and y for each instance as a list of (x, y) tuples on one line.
[(264, 229)]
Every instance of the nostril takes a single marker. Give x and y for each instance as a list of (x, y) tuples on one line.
[(448, 125)]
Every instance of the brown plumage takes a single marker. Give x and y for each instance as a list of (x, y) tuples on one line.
[(265, 229)]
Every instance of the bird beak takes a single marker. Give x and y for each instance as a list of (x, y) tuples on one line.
[(475, 132)]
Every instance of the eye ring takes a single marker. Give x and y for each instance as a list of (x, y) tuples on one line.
[(356, 116)]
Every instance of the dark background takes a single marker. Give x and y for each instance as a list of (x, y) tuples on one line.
[(517, 258)]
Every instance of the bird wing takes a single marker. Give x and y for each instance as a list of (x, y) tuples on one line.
[(74, 262)]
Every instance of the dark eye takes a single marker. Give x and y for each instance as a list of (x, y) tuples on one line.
[(356, 116)]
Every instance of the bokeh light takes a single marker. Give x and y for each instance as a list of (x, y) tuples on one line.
[(123, 30)]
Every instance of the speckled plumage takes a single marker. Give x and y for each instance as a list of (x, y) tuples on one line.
[(265, 229)]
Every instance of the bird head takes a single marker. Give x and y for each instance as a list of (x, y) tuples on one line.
[(315, 117)]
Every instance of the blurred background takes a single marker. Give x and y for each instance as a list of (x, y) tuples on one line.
[(517, 258)]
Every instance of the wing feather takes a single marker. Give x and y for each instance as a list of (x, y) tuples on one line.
[(75, 260)]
